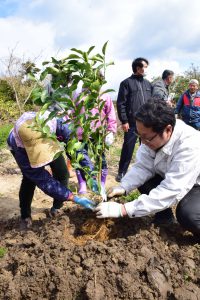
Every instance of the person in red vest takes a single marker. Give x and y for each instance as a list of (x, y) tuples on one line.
[(188, 105)]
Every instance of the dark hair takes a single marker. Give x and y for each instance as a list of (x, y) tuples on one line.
[(156, 114), (138, 63), (166, 73)]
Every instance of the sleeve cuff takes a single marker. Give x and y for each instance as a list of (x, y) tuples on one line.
[(130, 209), (69, 197)]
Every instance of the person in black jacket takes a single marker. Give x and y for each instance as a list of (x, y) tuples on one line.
[(133, 92)]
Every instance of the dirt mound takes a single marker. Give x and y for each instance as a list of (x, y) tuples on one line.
[(77, 256)]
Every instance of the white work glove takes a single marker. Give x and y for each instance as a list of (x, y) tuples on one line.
[(108, 210), (109, 139), (116, 191)]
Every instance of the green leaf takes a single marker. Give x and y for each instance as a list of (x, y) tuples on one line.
[(90, 49), (100, 56), (76, 165), (51, 115), (45, 63), (53, 70), (80, 157), (71, 151), (44, 95), (70, 144), (55, 61), (44, 74), (31, 77), (77, 145), (73, 56), (46, 129), (104, 48), (107, 91), (90, 183), (96, 58), (42, 111), (36, 92), (76, 50), (102, 105), (85, 56), (111, 63), (98, 147), (95, 85)]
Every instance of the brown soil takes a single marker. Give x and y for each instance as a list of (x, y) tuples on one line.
[(76, 256)]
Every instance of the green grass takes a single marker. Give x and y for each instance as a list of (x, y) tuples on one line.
[(115, 149), (4, 132), (115, 152), (2, 252)]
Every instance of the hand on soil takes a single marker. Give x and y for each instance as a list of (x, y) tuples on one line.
[(108, 210), (86, 203), (116, 191)]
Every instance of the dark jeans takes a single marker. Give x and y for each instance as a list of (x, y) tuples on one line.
[(27, 188), (127, 150), (188, 209)]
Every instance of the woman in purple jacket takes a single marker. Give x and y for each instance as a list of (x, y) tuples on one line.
[(32, 152)]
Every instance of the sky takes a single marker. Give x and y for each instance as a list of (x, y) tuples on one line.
[(166, 32)]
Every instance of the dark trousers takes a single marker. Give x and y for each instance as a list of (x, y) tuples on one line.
[(27, 188), (188, 209), (60, 172), (127, 150)]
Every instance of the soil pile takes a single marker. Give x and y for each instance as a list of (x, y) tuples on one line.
[(79, 257), (76, 256)]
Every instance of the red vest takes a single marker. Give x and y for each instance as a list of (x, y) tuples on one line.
[(186, 100)]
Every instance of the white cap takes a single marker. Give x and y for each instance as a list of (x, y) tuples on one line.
[(194, 81)]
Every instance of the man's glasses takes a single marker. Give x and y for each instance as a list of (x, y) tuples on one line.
[(145, 140)]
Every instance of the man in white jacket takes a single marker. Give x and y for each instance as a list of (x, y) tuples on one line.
[(166, 170)]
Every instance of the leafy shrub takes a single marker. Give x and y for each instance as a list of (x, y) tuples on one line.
[(8, 110), (179, 86), (6, 91), (132, 196), (4, 132), (84, 68)]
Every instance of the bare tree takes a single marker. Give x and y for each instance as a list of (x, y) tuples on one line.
[(16, 74)]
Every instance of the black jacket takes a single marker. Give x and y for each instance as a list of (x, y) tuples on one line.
[(133, 92)]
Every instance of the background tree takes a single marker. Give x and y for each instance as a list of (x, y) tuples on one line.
[(181, 82), (6, 92), (15, 73)]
